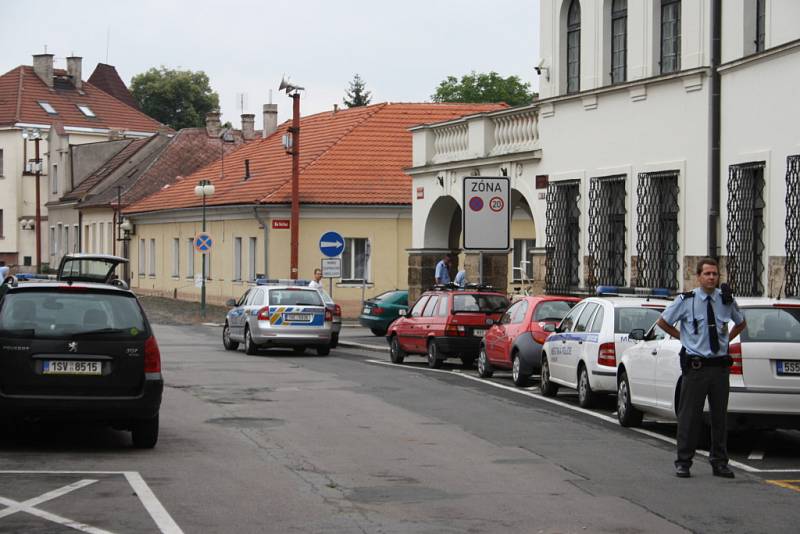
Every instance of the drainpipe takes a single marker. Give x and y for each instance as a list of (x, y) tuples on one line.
[(263, 224), (715, 131)]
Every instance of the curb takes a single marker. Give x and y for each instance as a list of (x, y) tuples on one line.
[(354, 344)]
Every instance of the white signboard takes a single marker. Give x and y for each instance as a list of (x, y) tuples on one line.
[(486, 214), (332, 267), (198, 281)]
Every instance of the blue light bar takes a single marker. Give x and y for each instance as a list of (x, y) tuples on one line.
[(281, 282), (616, 291)]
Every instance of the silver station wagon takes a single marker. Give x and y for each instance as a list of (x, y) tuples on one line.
[(279, 316)]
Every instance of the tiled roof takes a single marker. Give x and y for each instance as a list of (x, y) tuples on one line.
[(21, 90), (353, 156), (107, 78), (187, 151)]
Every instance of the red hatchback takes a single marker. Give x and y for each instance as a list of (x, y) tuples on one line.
[(516, 341), (446, 322)]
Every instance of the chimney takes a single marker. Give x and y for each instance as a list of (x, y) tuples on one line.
[(248, 126), (43, 67), (213, 125), (335, 108), (270, 119), (74, 70)]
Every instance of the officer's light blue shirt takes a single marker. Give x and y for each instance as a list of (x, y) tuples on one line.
[(4, 272), (686, 310), (442, 273), (461, 278)]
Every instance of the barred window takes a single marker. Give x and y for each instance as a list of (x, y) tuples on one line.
[(792, 266), (746, 228), (670, 36), (761, 24), (562, 259), (657, 230), (574, 47), (607, 231), (619, 40)]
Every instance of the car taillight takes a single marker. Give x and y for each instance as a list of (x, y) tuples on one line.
[(152, 356), (735, 351), (263, 314), (455, 330), (337, 310), (607, 355), (377, 310), (328, 315), (539, 337)]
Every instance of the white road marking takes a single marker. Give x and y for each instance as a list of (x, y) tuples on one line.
[(157, 512), (528, 393), (756, 455)]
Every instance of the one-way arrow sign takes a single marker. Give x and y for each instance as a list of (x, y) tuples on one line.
[(331, 244)]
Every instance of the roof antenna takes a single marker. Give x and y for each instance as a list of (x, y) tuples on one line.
[(108, 41)]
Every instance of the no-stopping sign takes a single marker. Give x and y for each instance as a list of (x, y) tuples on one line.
[(486, 217)]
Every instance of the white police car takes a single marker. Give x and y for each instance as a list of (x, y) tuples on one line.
[(764, 378), (582, 352)]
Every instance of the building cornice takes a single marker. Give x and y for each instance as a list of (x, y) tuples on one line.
[(766, 55)]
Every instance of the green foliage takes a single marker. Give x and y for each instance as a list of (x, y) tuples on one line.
[(478, 88), (177, 98), (357, 95)]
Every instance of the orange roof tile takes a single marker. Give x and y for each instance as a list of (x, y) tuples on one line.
[(353, 156), (21, 90)]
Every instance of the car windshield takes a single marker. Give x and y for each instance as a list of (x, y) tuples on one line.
[(552, 310), (772, 325), (295, 297), (628, 319), (58, 314), (87, 269), (476, 302)]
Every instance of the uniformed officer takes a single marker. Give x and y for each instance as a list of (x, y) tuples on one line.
[(703, 316)]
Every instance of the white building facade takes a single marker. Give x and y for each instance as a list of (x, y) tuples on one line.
[(637, 170)]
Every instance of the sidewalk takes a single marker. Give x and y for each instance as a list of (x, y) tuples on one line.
[(357, 336)]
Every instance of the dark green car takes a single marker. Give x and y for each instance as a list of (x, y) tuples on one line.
[(379, 312)]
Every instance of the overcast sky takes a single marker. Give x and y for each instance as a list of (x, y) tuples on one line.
[(402, 49)]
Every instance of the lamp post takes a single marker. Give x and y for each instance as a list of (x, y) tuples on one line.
[(294, 93), (203, 189), (124, 236), (35, 134)]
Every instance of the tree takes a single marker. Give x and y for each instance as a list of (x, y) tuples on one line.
[(356, 95), (476, 88), (177, 98)]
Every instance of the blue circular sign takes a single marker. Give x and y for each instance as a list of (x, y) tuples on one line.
[(331, 244), (476, 203), (203, 242)]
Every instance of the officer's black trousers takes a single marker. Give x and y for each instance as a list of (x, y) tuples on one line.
[(697, 384)]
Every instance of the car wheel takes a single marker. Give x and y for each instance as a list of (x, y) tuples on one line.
[(378, 331), (249, 346), (299, 350), (627, 414), (323, 350), (545, 385), (396, 354), (586, 397), (434, 361), (484, 367), (468, 362), (227, 342), (334, 340), (520, 378), (145, 433)]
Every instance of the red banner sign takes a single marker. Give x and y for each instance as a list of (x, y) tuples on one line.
[(280, 224)]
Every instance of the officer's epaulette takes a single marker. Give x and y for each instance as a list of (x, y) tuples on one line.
[(687, 295)]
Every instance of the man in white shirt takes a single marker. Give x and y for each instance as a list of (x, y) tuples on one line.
[(315, 283), (4, 271)]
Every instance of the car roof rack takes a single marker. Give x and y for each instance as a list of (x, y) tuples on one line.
[(468, 287)]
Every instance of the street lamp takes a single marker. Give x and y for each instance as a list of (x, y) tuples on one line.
[(124, 235), (203, 189), (292, 145), (35, 134)]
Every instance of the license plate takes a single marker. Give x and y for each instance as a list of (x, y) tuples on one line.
[(299, 317), (71, 367), (366, 310), (788, 367), (478, 332)]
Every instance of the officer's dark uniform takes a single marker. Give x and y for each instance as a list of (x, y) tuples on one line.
[(706, 370)]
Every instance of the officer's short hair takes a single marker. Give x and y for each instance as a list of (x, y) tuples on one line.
[(706, 261)]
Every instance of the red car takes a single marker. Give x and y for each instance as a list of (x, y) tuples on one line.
[(515, 342), (446, 322)]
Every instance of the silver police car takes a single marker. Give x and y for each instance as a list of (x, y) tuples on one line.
[(278, 315)]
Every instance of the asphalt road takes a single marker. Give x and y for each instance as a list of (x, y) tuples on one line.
[(350, 443)]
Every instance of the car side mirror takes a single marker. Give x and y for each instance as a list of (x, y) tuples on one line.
[(401, 313), (549, 327), (637, 334), (231, 303)]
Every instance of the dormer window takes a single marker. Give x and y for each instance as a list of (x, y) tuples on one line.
[(86, 110), (48, 108)]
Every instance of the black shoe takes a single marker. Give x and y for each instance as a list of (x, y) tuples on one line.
[(722, 470), (682, 471)]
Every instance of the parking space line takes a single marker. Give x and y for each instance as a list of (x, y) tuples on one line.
[(154, 508), (606, 418)]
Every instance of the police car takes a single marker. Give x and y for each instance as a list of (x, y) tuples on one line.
[(764, 378), (582, 351), (280, 314)]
